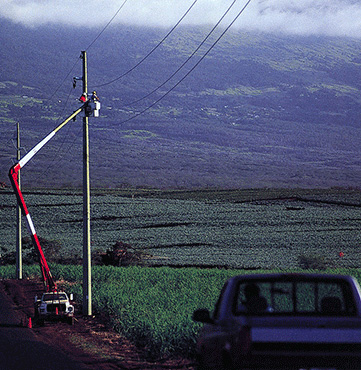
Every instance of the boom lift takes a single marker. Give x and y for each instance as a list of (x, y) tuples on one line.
[(52, 302)]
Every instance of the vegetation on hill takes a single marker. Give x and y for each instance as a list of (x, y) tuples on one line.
[(260, 110)]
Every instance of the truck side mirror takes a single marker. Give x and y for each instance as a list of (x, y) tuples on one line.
[(202, 315), (71, 296)]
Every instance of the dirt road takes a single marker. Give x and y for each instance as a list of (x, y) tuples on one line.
[(21, 347), (89, 344)]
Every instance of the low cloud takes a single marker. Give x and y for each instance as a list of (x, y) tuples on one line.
[(318, 17)]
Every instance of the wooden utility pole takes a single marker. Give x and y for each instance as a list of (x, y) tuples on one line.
[(19, 260), (87, 296)]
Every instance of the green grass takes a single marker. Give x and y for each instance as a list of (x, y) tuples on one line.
[(151, 306), (19, 101), (138, 134)]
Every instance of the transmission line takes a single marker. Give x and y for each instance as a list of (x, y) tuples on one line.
[(155, 48), (90, 45), (106, 26), (64, 79), (192, 69), (188, 59), (51, 162), (72, 68)]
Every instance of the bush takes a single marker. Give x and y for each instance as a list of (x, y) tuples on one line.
[(121, 254), (314, 262)]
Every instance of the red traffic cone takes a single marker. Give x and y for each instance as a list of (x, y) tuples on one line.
[(30, 325)]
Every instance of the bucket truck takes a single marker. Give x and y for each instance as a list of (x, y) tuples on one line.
[(53, 303)]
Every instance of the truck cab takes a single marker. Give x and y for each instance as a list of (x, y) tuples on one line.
[(54, 306)]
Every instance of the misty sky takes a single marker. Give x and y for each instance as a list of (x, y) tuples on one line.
[(327, 17)]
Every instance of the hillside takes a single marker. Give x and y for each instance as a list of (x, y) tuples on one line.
[(260, 110)]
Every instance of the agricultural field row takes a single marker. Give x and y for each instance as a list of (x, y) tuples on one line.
[(238, 229)]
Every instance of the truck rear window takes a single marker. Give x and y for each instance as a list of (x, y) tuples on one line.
[(326, 298)]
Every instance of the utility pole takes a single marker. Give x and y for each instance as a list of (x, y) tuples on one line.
[(19, 261), (87, 296)]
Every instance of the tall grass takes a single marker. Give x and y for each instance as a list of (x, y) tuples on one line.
[(150, 306), (153, 306)]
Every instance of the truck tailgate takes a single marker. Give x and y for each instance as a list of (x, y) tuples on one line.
[(320, 342), (305, 335)]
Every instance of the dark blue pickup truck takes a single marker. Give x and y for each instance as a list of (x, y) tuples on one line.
[(283, 321)]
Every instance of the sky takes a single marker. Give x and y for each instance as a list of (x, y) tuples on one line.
[(299, 17)]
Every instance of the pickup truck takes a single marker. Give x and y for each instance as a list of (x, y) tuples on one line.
[(283, 321), (54, 306)]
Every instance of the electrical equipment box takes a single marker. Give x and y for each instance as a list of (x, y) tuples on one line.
[(96, 109), (92, 109)]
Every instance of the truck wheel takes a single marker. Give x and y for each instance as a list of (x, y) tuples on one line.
[(227, 361)]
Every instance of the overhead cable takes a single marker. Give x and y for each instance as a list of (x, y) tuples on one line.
[(52, 161), (155, 48), (193, 68), (90, 45), (188, 59), (106, 26), (64, 79)]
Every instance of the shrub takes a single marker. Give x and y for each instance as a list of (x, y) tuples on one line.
[(313, 262), (121, 254)]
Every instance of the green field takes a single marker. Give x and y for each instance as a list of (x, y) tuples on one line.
[(238, 229), (262, 228)]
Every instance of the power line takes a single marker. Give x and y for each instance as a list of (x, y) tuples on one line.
[(111, 20), (156, 47), (189, 58), (64, 79), (51, 162), (71, 70), (192, 69), (90, 45)]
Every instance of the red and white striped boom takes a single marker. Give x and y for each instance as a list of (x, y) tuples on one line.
[(13, 175)]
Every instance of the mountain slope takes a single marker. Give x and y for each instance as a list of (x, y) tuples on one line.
[(259, 111)]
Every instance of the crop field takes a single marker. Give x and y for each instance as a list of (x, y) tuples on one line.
[(239, 229)]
